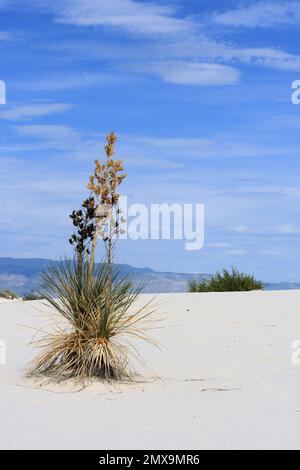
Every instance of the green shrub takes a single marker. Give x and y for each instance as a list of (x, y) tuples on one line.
[(227, 281), (7, 294), (32, 296)]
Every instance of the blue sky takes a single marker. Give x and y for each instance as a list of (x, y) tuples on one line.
[(199, 93)]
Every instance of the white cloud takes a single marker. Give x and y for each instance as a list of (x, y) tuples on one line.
[(194, 73), (270, 252), (285, 229), (180, 51), (62, 81), (288, 229), (19, 113), (241, 229), (190, 60), (237, 252), (65, 141), (129, 15), (229, 147), (51, 132), (289, 191), (286, 120), (219, 245), (203, 49), (165, 152), (199, 49), (271, 58), (263, 14)]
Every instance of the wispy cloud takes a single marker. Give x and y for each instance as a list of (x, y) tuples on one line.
[(289, 229), (165, 152), (20, 113), (62, 81), (50, 132), (137, 17), (237, 252), (219, 245), (263, 15), (198, 48), (4, 36), (263, 57), (216, 147), (191, 60), (67, 142), (181, 51), (6, 3), (289, 191), (278, 230), (192, 73)]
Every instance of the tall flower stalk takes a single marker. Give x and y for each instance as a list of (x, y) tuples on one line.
[(103, 184)]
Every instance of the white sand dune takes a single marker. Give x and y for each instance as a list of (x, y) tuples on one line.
[(226, 382)]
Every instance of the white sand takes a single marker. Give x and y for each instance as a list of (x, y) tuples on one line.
[(227, 382)]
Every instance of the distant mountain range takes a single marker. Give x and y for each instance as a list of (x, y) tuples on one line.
[(23, 277)]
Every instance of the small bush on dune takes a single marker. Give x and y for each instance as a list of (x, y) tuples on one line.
[(9, 295), (32, 296), (227, 281), (98, 306)]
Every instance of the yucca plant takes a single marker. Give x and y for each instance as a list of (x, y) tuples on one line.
[(97, 305), (227, 281), (93, 343)]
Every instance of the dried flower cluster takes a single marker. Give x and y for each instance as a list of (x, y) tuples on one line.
[(107, 177), (83, 220)]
